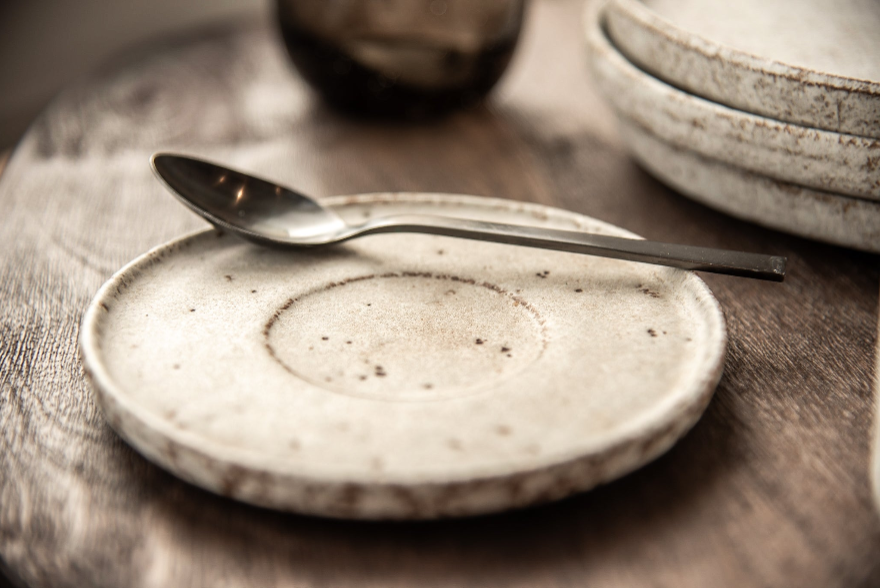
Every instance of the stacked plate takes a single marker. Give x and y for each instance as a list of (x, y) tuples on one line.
[(764, 110)]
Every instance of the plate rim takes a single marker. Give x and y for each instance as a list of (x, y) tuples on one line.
[(785, 151), (785, 81), (662, 429), (791, 193)]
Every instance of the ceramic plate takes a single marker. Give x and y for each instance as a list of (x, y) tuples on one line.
[(401, 376), (839, 220), (825, 160), (808, 62)]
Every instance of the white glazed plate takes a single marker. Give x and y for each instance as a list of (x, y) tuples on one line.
[(839, 220), (825, 160), (401, 376), (809, 62)]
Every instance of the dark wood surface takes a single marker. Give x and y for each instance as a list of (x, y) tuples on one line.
[(771, 488)]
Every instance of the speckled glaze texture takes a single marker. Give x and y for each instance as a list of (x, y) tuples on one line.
[(401, 376), (825, 160), (806, 62), (839, 220)]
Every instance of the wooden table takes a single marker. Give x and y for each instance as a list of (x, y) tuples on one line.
[(771, 488)]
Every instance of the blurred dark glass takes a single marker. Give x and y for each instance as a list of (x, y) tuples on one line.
[(401, 58)]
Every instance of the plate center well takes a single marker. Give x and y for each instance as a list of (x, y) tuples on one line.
[(406, 336)]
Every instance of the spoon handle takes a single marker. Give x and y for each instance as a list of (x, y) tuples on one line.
[(688, 257)]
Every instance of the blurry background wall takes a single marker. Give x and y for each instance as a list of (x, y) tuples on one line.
[(45, 44)]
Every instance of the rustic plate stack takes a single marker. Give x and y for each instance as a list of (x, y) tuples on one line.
[(768, 111)]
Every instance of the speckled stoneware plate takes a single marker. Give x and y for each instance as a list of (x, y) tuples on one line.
[(825, 160), (811, 62), (839, 220), (401, 376)]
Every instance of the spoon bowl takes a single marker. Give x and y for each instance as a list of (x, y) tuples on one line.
[(248, 206), (271, 214)]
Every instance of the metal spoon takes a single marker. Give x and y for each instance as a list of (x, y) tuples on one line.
[(270, 214)]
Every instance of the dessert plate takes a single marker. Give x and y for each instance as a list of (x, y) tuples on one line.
[(839, 220), (829, 161), (808, 62), (401, 376)]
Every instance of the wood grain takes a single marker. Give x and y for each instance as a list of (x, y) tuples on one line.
[(771, 488), (875, 447)]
